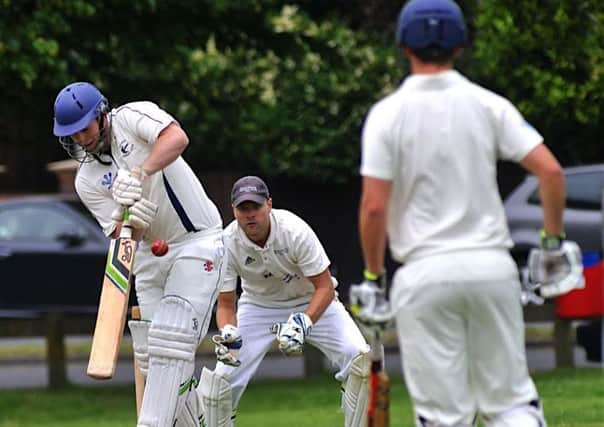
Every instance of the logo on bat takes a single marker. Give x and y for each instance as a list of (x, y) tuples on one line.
[(127, 251)]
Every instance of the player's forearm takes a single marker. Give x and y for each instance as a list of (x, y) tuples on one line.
[(323, 296), (541, 162), (553, 195), (372, 230), (170, 144), (226, 311)]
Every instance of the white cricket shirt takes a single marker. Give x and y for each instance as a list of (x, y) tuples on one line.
[(438, 138), (276, 274), (184, 206)]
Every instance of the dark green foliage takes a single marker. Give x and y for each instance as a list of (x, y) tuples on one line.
[(278, 87), (548, 58)]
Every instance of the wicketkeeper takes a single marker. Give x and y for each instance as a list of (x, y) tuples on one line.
[(288, 294)]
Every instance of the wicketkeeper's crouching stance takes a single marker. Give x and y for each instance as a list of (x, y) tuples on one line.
[(287, 290)]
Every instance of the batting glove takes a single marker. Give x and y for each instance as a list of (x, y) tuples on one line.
[(229, 339), (368, 302), (142, 213), (555, 269), (128, 186), (291, 334)]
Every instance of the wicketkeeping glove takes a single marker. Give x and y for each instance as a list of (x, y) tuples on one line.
[(229, 339), (556, 271), (128, 186), (291, 334), (368, 302)]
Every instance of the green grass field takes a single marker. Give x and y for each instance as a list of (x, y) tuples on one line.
[(572, 398)]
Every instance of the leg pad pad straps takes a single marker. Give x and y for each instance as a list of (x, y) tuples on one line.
[(139, 330), (217, 399), (356, 390)]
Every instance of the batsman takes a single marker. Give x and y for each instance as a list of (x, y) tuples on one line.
[(429, 188), (130, 158)]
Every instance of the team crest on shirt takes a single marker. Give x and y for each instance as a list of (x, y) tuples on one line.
[(107, 180), (126, 148), (208, 266)]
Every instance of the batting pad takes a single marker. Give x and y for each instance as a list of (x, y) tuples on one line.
[(191, 414), (173, 340), (356, 392), (139, 330), (217, 400)]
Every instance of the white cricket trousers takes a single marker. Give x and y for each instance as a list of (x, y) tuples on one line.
[(191, 270), (461, 334), (335, 334)]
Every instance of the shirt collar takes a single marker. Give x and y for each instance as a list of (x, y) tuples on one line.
[(434, 81)]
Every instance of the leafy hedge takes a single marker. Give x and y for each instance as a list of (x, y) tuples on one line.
[(282, 89)]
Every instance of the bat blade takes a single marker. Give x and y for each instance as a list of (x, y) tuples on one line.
[(379, 409), (113, 306), (378, 412)]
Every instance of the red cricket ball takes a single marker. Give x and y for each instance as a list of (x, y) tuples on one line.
[(159, 248)]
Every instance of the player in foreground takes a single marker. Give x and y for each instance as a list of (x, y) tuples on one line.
[(130, 158), (429, 153), (285, 283)]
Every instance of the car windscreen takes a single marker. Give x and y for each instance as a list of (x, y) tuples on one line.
[(39, 222), (583, 191)]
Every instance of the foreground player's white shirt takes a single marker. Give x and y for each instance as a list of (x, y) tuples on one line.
[(274, 275), (444, 182), (183, 204)]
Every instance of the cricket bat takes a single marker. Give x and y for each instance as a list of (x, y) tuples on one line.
[(378, 411), (113, 305)]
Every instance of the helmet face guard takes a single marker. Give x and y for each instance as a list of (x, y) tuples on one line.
[(76, 106), (76, 152), (431, 23)]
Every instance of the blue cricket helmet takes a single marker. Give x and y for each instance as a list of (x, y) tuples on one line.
[(431, 23), (76, 106)]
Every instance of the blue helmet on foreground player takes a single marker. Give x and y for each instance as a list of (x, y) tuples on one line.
[(432, 29), (425, 23), (79, 120)]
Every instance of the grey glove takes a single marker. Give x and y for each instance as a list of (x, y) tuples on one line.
[(292, 334), (554, 272), (228, 340), (368, 302)]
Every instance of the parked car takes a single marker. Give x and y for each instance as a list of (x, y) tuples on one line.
[(582, 216), (52, 255)]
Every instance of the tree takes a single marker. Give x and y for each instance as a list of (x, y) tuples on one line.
[(549, 59)]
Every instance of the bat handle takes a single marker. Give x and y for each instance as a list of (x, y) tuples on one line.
[(377, 347), (126, 231)]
